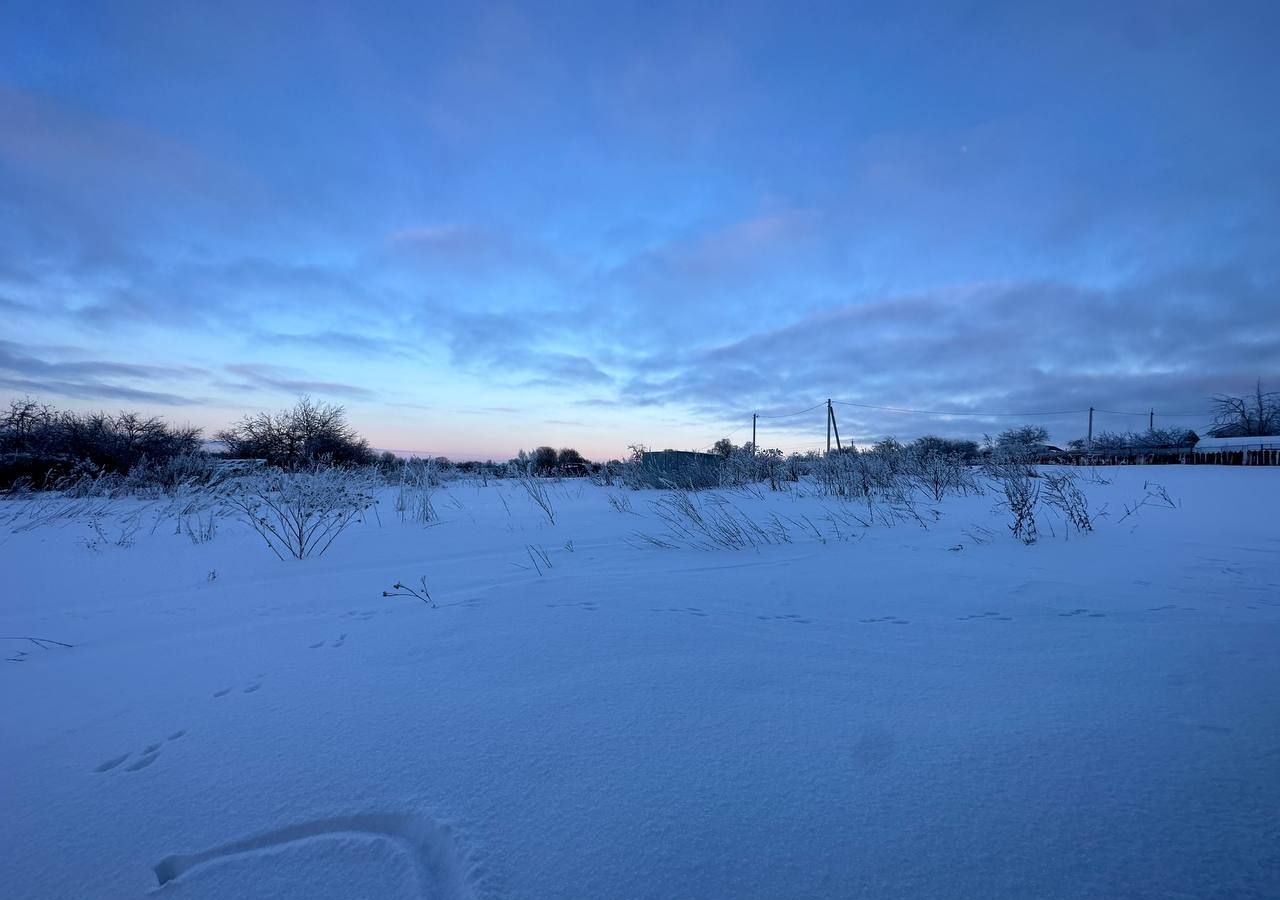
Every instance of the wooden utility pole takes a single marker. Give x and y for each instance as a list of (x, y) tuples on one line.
[(1151, 421), (835, 426), (828, 425), (753, 434), (1089, 443)]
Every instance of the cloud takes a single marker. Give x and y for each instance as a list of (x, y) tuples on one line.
[(228, 294), (256, 376), (515, 346), (86, 187), (564, 369), (362, 345), (94, 390), (1023, 347), (89, 379)]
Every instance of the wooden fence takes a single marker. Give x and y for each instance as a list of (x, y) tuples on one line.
[(1151, 456)]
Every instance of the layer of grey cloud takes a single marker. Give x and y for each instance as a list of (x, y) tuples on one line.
[(1167, 342), (89, 379), (258, 376)]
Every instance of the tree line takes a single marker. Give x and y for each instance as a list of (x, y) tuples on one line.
[(40, 444)]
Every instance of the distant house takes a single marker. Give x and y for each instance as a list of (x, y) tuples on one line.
[(1239, 451), (1237, 444), (683, 468)]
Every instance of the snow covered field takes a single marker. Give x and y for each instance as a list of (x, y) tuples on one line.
[(874, 712)]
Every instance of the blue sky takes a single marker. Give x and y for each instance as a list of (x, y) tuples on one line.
[(484, 226)]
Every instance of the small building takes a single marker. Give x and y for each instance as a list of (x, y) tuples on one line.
[(681, 468), (1237, 444), (1262, 450)]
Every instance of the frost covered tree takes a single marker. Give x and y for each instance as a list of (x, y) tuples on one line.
[(1253, 415), (544, 459), (932, 444), (571, 461), (295, 437), (38, 442), (1026, 440)]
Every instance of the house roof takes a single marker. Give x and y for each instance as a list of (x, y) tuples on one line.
[(1217, 444)]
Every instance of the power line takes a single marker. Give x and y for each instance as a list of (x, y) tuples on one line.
[(790, 414), (1115, 412), (982, 415), (725, 438), (1017, 415)]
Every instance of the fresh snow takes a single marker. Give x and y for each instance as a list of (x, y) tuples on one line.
[(905, 713)]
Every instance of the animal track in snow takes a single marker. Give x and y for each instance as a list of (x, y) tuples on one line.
[(146, 757), (787, 617), (1083, 612), (588, 605), (443, 870), (687, 610), (108, 765), (249, 688), (892, 620), (993, 615), (142, 762)]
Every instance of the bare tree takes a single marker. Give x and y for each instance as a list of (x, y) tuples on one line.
[(296, 437), (1250, 416)]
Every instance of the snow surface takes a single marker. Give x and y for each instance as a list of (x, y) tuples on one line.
[(879, 717)]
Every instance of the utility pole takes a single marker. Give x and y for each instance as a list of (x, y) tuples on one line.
[(753, 434), (1089, 443), (835, 426), (1151, 421), (828, 426)]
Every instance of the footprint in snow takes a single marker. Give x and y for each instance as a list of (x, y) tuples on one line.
[(146, 757), (249, 688), (142, 762), (891, 620), (685, 610), (588, 605), (992, 615), (108, 765)]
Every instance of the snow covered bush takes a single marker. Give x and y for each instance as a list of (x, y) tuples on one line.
[(414, 494), (620, 502), (742, 466), (938, 474), (1022, 498), (1062, 492), (536, 488), (851, 475), (300, 514), (713, 522)]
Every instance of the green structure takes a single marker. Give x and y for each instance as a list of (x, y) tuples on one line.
[(681, 468)]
